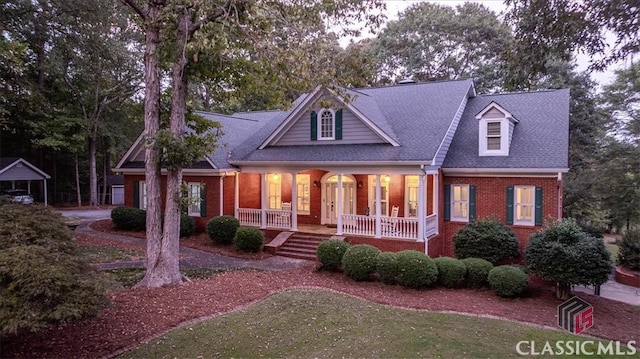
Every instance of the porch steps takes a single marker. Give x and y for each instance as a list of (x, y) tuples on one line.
[(302, 246)]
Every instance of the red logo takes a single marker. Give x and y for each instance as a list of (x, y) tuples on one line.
[(575, 315)]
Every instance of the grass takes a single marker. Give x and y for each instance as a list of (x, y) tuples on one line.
[(105, 254), (322, 324)]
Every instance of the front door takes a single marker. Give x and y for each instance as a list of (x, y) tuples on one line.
[(330, 198)]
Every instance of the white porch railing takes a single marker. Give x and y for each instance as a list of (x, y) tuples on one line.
[(430, 225), (277, 218), (249, 217), (392, 227)]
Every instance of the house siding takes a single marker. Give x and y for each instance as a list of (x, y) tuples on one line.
[(354, 131), (491, 203)]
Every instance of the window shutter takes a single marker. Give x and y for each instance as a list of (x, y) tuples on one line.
[(339, 124), (472, 203), (538, 209), (447, 202), (314, 126), (203, 200), (510, 205), (136, 194)]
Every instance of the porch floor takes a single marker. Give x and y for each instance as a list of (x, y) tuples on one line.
[(316, 228)]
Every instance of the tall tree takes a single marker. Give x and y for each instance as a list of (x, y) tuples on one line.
[(546, 29), (185, 29), (438, 42)]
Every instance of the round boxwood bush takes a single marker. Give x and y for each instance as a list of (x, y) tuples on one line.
[(187, 225), (451, 271), (387, 267), (416, 269), (248, 239), (129, 218), (488, 239), (477, 271), (222, 229), (629, 252), (359, 261), (330, 253), (508, 281)]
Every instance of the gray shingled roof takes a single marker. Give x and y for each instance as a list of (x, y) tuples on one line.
[(417, 115), (540, 138)]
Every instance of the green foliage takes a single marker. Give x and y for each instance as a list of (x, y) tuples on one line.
[(42, 279), (129, 218), (359, 261), (249, 239), (451, 271), (487, 239), (387, 267), (563, 253), (330, 253), (508, 281), (415, 269), (222, 229), (629, 249), (187, 225), (477, 271)]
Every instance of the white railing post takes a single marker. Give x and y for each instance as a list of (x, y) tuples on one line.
[(422, 204), (294, 202), (340, 205), (236, 195), (263, 200), (378, 208)]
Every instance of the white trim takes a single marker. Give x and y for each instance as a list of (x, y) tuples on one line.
[(319, 136), (129, 151), (28, 164), (493, 105), (505, 172), (483, 135), (452, 217)]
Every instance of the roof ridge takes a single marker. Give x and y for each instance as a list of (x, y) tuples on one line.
[(407, 84), (521, 92), (228, 116)]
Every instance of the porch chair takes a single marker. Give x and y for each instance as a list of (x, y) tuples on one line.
[(389, 223)]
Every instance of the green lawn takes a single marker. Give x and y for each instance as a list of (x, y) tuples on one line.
[(106, 254), (322, 324)]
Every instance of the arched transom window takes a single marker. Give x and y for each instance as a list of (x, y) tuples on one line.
[(327, 125)]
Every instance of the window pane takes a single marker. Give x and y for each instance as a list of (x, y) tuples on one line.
[(493, 129), (493, 143), (326, 124)]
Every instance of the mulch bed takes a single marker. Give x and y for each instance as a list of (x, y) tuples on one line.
[(136, 315)]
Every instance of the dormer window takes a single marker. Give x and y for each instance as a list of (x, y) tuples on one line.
[(494, 131), (327, 125)]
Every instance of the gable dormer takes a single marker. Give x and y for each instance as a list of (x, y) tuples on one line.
[(495, 130), (326, 124)]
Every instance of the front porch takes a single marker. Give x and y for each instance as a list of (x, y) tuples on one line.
[(375, 205)]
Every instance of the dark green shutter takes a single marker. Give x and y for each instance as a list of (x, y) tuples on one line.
[(472, 203), (339, 124), (136, 194), (447, 202), (203, 200), (510, 205), (314, 126), (538, 212)]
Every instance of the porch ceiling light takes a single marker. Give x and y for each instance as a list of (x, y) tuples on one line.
[(275, 176), (387, 178)]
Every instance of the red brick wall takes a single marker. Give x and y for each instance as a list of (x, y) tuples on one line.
[(249, 190), (491, 202), (388, 245)]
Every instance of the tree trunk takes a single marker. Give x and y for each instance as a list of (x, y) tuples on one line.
[(106, 163), (78, 193), (93, 171), (563, 290)]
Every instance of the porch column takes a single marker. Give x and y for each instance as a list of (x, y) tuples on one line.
[(378, 208), (340, 202), (422, 203), (294, 202), (236, 194), (263, 200), (46, 203), (436, 203)]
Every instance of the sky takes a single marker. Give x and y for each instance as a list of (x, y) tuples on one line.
[(396, 6)]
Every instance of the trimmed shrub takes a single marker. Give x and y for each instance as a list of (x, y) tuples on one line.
[(129, 218), (330, 253), (451, 271), (387, 267), (487, 239), (629, 249), (187, 225), (43, 280), (477, 271), (359, 261), (416, 269), (508, 281), (222, 229), (248, 239)]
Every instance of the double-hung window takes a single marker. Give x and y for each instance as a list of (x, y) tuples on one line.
[(303, 188), (274, 191), (493, 136), (460, 202), (411, 195), (195, 199), (524, 203)]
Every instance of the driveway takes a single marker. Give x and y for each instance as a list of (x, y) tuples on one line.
[(87, 215)]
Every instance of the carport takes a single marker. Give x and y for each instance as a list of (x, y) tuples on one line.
[(14, 169)]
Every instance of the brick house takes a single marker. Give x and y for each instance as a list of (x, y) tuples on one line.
[(399, 167)]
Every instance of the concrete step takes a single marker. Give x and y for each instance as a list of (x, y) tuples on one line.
[(297, 254)]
